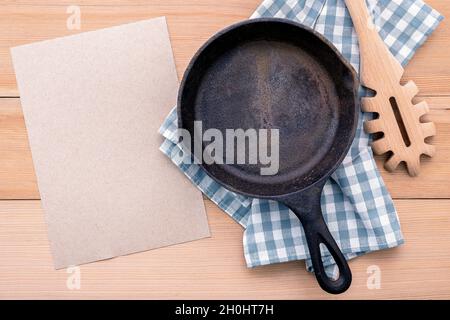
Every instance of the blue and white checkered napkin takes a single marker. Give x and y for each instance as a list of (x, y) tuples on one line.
[(356, 205)]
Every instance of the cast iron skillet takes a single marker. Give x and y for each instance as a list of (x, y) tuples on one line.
[(274, 73)]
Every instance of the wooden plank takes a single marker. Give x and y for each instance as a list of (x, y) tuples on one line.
[(427, 66), (190, 22), (17, 179), (215, 268)]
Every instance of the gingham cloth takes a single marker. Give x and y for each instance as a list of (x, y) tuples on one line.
[(355, 203)]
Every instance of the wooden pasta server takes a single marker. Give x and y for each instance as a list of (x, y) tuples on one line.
[(399, 118)]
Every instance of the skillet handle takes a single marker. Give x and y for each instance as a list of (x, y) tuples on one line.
[(307, 208)]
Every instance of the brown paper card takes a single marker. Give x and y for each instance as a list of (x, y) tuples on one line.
[(93, 103)]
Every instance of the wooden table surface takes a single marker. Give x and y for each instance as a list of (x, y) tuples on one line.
[(213, 267)]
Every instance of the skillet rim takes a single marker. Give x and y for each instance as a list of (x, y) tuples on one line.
[(349, 67)]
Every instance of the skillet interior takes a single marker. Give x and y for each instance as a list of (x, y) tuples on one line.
[(266, 74)]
